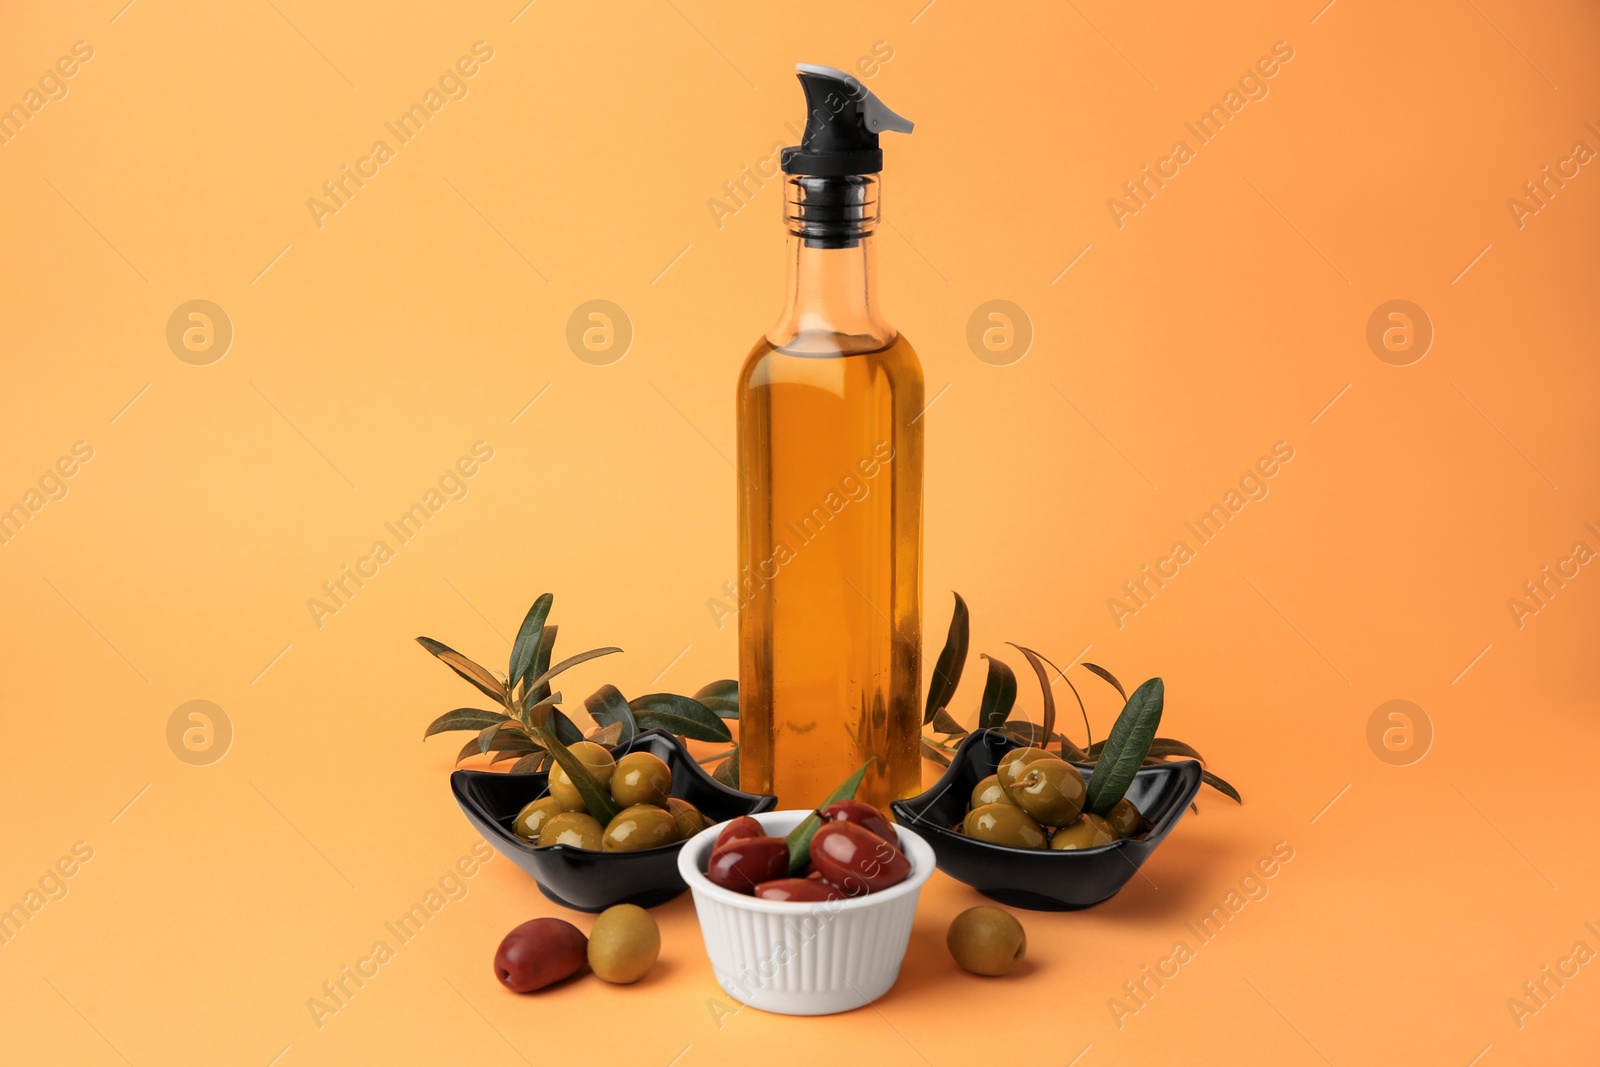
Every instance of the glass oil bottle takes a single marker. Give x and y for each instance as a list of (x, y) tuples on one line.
[(830, 487)]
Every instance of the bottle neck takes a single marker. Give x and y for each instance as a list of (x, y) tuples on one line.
[(832, 305)]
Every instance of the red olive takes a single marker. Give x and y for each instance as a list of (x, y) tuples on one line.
[(538, 953), (862, 814), (743, 826), (857, 860), (746, 862), (801, 890)]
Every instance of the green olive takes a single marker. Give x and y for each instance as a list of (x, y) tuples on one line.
[(986, 940), (988, 791), (533, 817), (624, 944), (594, 757), (1051, 790), (689, 818), (576, 828), (1015, 761), (1003, 824), (639, 826), (641, 778), (1126, 819), (1091, 831)]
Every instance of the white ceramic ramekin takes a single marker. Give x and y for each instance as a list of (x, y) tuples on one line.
[(804, 959)]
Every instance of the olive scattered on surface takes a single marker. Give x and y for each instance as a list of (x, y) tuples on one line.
[(600, 764), (531, 819), (987, 940), (624, 944), (857, 860), (862, 814), (1013, 763), (1091, 831), (1126, 819), (1004, 824), (576, 828), (746, 862), (988, 791), (641, 778), (638, 827), (1051, 790), (690, 819), (539, 953)]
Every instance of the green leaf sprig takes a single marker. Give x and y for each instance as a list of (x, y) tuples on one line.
[(529, 713), (999, 699)]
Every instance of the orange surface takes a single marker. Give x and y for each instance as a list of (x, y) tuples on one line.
[(373, 346)]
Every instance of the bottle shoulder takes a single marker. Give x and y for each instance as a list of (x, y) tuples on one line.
[(810, 353)]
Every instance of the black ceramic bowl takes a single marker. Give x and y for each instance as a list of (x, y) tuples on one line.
[(1040, 879), (593, 881)]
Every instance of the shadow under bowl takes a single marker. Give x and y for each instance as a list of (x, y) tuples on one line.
[(1041, 879), (593, 881)]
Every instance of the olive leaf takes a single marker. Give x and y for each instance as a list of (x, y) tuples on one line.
[(531, 693), (540, 683), (935, 753), (1160, 749), (530, 764), (799, 838), (539, 714), (728, 771), (999, 694), (608, 736), (596, 797), (721, 697), (1069, 749), (681, 715), (563, 727), (529, 637), (487, 683), (945, 723), (1221, 786), (464, 719), (1126, 748), (952, 659), (511, 739), (1108, 676), (1048, 721), (486, 736), (1171, 746), (514, 740), (1088, 731), (607, 707), (1027, 732)]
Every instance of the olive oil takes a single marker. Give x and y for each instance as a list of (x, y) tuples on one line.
[(830, 493), (830, 508)]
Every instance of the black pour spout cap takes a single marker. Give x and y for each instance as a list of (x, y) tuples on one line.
[(843, 120)]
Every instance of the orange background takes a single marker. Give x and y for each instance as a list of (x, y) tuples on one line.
[(372, 352)]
